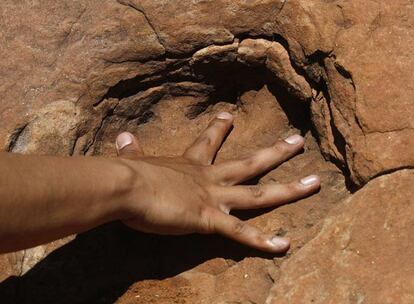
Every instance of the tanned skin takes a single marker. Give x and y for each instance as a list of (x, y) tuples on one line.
[(44, 198)]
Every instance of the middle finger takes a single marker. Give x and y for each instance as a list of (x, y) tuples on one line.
[(262, 196)]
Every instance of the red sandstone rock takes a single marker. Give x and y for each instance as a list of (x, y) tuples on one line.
[(76, 73), (76, 55), (363, 254)]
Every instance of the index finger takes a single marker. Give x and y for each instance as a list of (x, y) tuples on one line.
[(237, 171), (204, 149)]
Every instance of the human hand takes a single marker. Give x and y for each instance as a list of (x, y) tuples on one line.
[(187, 194)]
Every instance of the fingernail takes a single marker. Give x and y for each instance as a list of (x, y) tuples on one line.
[(294, 139), (224, 115), (279, 242), (123, 140), (309, 180)]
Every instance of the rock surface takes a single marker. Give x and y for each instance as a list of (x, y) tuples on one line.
[(75, 59), (363, 254), (76, 73)]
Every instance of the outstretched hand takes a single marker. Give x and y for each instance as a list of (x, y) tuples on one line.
[(187, 194)]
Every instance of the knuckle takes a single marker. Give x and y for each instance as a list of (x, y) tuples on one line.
[(261, 241), (213, 178), (204, 195), (282, 148), (219, 122), (216, 124), (239, 227), (129, 154), (206, 172), (292, 188), (256, 191), (226, 181), (250, 163), (295, 188), (204, 140)]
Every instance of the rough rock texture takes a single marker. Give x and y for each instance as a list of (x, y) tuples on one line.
[(354, 257), (75, 73), (70, 57)]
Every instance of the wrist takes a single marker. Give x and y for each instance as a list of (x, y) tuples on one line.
[(129, 183)]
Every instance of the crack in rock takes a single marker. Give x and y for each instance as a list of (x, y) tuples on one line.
[(150, 24)]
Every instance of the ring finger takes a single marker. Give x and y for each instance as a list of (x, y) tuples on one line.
[(261, 196)]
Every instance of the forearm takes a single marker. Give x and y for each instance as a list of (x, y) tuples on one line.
[(46, 198)]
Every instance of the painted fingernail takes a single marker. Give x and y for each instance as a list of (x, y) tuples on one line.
[(309, 180), (294, 139), (224, 115), (279, 242), (123, 140)]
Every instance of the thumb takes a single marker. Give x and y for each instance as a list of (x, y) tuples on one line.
[(127, 146)]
